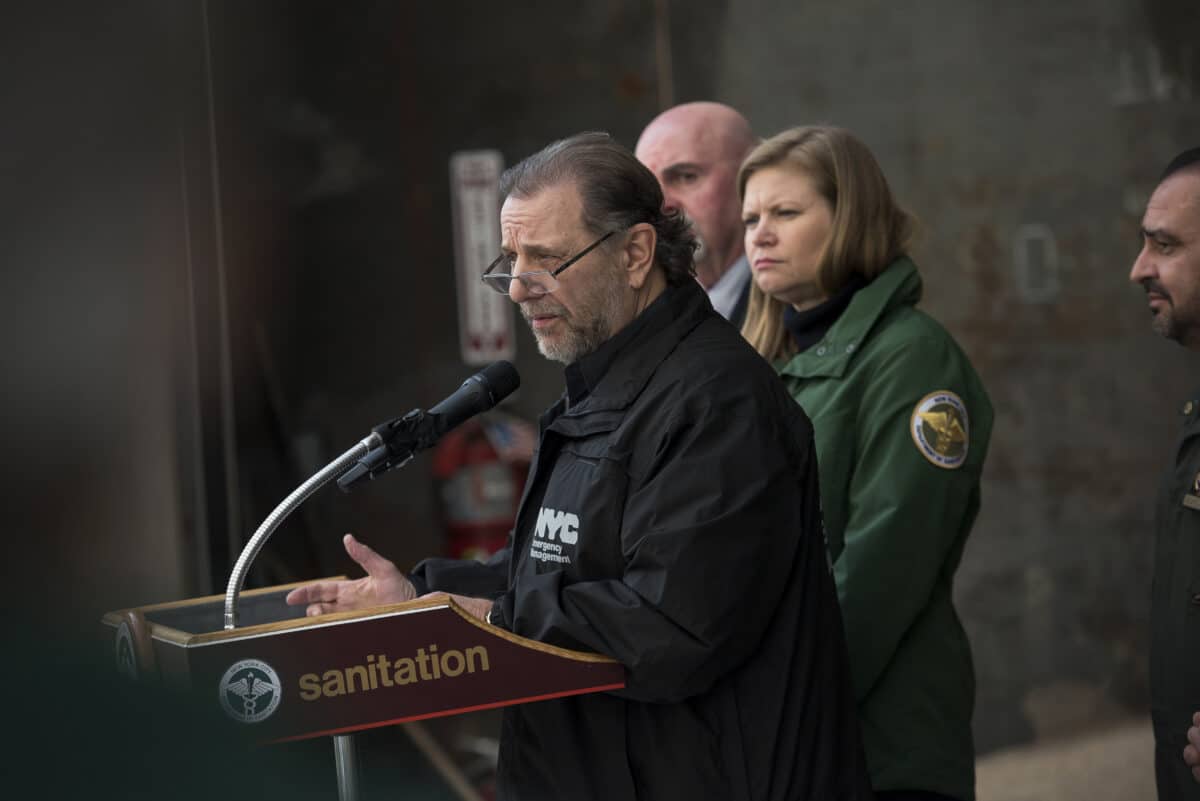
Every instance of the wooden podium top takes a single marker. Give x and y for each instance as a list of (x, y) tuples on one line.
[(291, 677)]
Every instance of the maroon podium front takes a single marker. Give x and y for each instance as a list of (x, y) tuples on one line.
[(291, 677)]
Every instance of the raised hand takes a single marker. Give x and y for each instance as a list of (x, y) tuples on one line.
[(383, 584)]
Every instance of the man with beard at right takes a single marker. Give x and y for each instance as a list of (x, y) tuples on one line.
[(1168, 268)]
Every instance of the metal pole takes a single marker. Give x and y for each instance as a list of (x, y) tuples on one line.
[(331, 471), (347, 767)]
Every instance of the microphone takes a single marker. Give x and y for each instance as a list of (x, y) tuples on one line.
[(401, 438), (477, 394)]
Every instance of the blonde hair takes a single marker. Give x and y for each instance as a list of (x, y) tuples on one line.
[(868, 232)]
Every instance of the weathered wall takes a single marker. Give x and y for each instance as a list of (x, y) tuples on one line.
[(89, 202), (1026, 137)]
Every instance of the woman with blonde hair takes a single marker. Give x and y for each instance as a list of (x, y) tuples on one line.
[(902, 423)]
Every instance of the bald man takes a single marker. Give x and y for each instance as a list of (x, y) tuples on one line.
[(695, 150)]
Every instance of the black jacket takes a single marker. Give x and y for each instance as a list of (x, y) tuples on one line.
[(671, 521), (1175, 612), (738, 315)]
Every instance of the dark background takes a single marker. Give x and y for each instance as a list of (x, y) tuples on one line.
[(227, 253)]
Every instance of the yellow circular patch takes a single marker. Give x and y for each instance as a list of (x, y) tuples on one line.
[(941, 429)]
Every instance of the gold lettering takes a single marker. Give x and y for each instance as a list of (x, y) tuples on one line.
[(310, 690), (477, 651), (406, 671), (459, 665), (381, 671), (384, 664), (433, 659), (423, 664), (361, 672), (372, 667), (333, 684)]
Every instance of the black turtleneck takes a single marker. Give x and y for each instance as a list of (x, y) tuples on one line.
[(808, 326)]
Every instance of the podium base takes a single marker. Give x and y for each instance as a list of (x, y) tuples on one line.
[(347, 766)]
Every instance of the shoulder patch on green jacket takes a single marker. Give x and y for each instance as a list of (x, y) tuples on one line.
[(941, 428)]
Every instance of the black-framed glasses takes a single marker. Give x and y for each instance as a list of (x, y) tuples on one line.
[(536, 282)]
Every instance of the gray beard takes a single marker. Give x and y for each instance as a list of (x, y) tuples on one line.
[(585, 333), (576, 343)]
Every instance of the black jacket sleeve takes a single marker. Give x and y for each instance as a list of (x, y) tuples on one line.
[(464, 576)]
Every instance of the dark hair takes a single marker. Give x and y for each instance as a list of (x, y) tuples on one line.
[(617, 191), (1185, 159)]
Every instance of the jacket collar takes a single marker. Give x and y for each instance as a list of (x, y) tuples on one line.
[(616, 372), (898, 285)]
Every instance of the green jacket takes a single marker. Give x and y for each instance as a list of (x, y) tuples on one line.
[(902, 423)]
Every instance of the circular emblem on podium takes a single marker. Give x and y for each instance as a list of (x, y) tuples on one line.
[(126, 661), (250, 691)]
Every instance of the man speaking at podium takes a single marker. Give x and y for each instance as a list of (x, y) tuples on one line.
[(670, 520)]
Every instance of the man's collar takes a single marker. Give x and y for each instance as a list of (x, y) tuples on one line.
[(724, 294), (629, 357), (584, 374)]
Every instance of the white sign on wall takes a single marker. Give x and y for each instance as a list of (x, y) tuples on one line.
[(485, 317)]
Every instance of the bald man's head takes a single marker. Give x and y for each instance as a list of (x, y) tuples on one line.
[(695, 150)]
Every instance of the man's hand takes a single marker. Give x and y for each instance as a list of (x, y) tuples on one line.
[(475, 607), (383, 584), (1191, 754)]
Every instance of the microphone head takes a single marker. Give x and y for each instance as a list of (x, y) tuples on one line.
[(418, 430), (501, 380), (477, 394)]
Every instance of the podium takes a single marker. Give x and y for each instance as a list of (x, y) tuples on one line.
[(285, 677), (291, 677)]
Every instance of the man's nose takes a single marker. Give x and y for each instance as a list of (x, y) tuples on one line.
[(1143, 266), (517, 292), (671, 202)]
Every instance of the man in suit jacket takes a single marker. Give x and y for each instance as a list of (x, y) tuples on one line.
[(695, 150)]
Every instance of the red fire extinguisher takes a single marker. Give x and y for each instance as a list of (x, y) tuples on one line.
[(480, 468)]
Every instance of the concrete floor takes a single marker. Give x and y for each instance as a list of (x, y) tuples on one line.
[(1113, 764)]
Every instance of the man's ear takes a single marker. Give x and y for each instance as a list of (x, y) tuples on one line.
[(639, 253)]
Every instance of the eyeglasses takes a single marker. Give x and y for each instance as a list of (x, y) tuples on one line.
[(536, 282)]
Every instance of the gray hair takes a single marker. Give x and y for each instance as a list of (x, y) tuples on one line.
[(617, 192)]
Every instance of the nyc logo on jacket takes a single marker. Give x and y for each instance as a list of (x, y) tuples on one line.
[(555, 536)]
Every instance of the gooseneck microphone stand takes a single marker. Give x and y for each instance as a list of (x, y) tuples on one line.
[(389, 445)]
